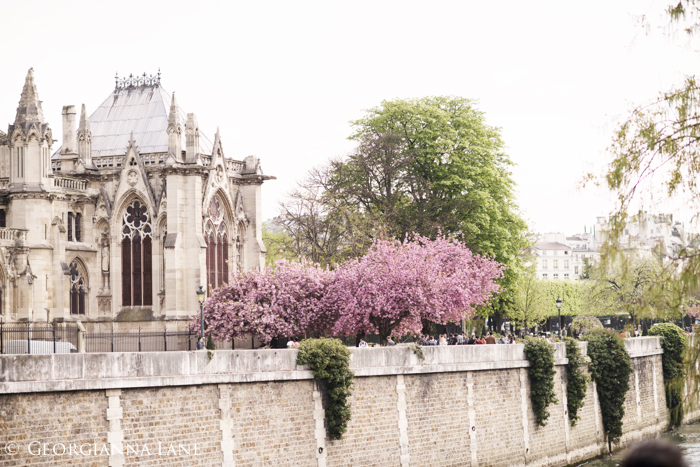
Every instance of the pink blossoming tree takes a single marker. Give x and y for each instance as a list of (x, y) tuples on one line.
[(280, 301), (389, 291), (396, 285)]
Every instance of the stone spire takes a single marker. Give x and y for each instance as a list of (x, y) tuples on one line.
[(29, 109), (174, 134), (85, 139), (191, 138)]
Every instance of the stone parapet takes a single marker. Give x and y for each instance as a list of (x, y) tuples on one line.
[(72, 372)]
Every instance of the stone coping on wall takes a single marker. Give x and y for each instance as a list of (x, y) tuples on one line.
[(75, 372)]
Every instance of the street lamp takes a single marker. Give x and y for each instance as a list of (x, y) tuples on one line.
[(200, 299), (559, 311)]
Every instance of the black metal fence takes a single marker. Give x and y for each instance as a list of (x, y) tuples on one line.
[(140, 341), (38, 338)]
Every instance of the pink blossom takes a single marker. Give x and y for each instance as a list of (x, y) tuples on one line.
[(388, 291)]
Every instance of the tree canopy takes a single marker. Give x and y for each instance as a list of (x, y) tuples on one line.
[(655, 155), (389, 290), (429, 166)]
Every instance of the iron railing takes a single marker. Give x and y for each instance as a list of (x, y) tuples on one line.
[(141, 341), (38, 338)]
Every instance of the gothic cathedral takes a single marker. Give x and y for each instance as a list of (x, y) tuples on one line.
[(121, 224)]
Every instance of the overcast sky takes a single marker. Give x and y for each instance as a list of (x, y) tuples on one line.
[(283, 79)]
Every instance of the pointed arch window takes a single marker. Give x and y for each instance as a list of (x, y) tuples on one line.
[(216, 235), (137, 278), (78, 289)]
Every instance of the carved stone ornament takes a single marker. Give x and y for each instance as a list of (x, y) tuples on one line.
[(132, 177), (219, 176)]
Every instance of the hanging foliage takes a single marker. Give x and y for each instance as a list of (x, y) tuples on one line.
[(540, 354), (610, 368), (329, 360), (675, 344), (577, 379)]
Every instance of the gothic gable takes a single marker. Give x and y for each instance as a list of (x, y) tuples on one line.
[(217, 180), (133, 179)]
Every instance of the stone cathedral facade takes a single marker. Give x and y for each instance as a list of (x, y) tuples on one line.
[(125, 220)]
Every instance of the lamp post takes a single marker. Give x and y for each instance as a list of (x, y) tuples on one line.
[(200, 298), (559, 311)]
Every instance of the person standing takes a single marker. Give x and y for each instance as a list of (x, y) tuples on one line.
[(490, 339), (200, 344)]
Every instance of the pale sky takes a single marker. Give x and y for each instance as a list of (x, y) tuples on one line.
[(283, 79)]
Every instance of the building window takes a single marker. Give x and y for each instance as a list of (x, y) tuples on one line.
[(78, 227), (544, 276), (137, 280), (75, 227), (544, 253), (575, 269), (555, 264), (566, 277), (566, 264), (216, 236), (3, 221), (77, 289), (544, 264), (556, 276)]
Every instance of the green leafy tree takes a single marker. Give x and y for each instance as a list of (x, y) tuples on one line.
[(432, 165), (529, 299), (278, 243), (655, 155), (640, 288), (571, 293)]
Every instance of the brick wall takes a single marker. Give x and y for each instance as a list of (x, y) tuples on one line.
[(458, 407), (45, 420), (273, 424)]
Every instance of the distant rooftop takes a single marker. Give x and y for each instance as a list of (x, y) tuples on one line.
[(139, 105), (552, 246)]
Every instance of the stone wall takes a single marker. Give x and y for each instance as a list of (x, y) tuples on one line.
[(461, 406)]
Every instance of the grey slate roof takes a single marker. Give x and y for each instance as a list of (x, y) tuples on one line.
[(142, 110)]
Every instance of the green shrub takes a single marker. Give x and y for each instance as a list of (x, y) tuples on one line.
[(675, 345), (583, 324), (610, 368), (210, 344), (329, 360), (540, 354), (577, 379)]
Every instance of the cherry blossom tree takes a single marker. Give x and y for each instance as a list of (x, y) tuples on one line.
[(390, 290), (284, 300), (396, 285)]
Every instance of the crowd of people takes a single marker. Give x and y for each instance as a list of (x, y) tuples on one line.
[(465, 339)]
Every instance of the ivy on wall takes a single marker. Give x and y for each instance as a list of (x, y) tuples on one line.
[(577, 379), (610, 368), (540, 354), (674, 343), (329, 360)]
